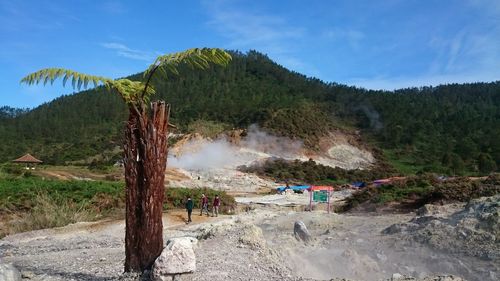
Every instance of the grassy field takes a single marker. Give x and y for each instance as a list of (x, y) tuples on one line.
[(404, 164), (29, 202)]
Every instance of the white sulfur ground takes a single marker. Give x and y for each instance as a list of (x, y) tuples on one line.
[(253, 245)]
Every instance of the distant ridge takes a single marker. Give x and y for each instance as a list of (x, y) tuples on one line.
[(451, 129)]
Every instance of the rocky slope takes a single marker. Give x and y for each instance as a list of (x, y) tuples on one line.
[(472, 229), (204, 162)]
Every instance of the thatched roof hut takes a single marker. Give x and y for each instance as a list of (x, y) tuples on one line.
[(29, 160)]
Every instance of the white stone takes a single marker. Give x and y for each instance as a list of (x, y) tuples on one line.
[(176, 258), (300, 231), (9, 273), (396, 276)]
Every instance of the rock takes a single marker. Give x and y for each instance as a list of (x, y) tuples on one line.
[(443, 278), (176, 258), (396, 276), (300, 231), (471, 230), (27, 275), (9, 273), (252, 236), (399, 277)]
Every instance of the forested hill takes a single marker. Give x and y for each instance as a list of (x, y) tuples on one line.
[(450, 129)]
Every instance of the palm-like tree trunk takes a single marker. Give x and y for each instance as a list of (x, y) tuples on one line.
[(145, 160)]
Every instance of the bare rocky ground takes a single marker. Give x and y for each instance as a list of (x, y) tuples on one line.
[(259, 245)]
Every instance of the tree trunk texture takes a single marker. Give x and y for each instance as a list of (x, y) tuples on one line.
[(145, 160)]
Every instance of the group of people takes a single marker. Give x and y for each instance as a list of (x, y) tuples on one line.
[(203, 206)]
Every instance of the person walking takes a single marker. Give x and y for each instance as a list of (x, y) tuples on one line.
[(215, 206), (204, 205), (189, 208)]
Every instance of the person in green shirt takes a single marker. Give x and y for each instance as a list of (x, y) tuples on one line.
[(189, 208)]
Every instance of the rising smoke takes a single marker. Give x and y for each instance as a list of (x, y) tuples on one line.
[(373, 116), (220, 153), (276, 146)]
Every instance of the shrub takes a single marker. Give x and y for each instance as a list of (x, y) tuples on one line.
[(12, 169), (51, 211), (206, 128)]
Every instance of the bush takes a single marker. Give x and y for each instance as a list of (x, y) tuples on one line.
[(309, 172), (20, 194), (425, 189), (52, 211), (12, 169), (206, 128)]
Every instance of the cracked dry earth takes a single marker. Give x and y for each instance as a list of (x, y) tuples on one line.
[(255, 245)]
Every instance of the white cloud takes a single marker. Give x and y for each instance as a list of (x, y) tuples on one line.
[(127, 52), (113, 7), (393, 83), (250, 29), (351, 36), (247, 29)]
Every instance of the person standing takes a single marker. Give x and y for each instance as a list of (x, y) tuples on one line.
[(215, 206), (189, 208), (204, 204)]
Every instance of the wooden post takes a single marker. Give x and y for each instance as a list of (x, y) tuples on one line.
[(145, 160), (328, 200), (310, 200)]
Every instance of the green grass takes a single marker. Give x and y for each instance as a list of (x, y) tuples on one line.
[(29, 203), (405, 164), (390, 193), (18, 194)]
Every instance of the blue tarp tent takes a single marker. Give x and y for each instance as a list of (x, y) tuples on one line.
[(299, 188), (359, 184)]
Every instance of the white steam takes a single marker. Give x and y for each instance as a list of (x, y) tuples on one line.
[(275, 146), (206, 155), (257, 144)]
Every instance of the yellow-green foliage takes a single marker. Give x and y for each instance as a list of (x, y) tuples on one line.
[(78, 79), (135, 91), (195, 58), (131, 91), (207, 128)]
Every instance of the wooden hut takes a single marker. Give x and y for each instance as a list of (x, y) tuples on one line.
[(29, 160)]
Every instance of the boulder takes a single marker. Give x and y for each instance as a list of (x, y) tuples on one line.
[(300, 231), (176, 258), (9, 273), (252, 236)]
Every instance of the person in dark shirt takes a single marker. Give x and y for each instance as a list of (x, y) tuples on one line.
[(215, 206), (189, 208), (204, 204)]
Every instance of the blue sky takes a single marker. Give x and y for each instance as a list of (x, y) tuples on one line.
[(373, 44)]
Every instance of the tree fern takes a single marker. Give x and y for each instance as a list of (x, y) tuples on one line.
[(195, 58), (78, 79), (134, 91)]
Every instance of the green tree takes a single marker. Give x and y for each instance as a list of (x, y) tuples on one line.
[(145, 147), (457, 164), (486, 163)]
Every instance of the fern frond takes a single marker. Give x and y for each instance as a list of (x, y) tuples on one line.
[(131, 90), (195, 58), (52, 74)]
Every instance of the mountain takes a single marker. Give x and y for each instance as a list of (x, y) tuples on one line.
[(452, 129)]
